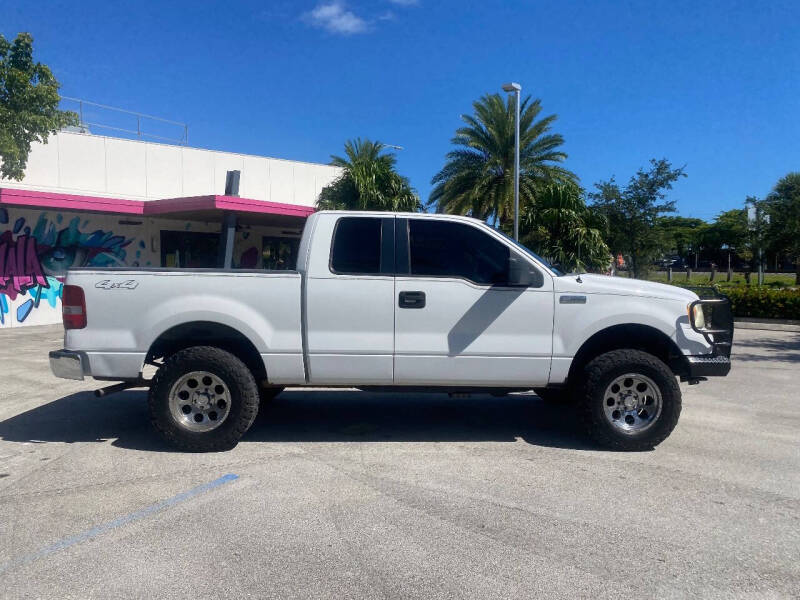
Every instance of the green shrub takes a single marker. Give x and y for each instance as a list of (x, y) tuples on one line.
[(752, 301), (763, 302)]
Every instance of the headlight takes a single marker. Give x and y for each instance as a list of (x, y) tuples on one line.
[(699, 315)]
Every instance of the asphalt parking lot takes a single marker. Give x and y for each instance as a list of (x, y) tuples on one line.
[(344, 494)]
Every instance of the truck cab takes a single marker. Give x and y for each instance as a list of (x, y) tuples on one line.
[(423, 301)]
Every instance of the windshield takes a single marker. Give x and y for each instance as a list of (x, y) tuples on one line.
[(532, 254)]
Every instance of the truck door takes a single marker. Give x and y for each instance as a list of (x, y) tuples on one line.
[(350, 302), (458, 320)]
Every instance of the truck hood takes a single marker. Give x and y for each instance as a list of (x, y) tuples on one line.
[(621, 286)]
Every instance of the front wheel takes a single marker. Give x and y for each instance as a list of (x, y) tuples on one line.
[(203, 399), (630, 400)]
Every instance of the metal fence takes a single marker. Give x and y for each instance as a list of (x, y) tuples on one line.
[(125, 123)]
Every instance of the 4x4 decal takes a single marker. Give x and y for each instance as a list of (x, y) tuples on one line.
[(107, 284)]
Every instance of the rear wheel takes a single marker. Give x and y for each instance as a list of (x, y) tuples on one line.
[(203, 399), (630, 400)]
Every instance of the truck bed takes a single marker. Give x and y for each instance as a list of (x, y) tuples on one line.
[(262, 305)]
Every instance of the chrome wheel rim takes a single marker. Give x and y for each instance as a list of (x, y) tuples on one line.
[(199, 401), (632, 403)]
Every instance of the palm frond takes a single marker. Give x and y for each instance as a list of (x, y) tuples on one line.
[(478, 174), (369, 181)]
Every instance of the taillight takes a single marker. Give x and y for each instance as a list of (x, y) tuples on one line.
[(73, 307)]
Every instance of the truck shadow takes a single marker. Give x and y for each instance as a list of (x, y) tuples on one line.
[(779, 347), (315, 416)]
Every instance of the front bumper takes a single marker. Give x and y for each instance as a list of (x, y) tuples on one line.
[(708, 366), (67, 364), (718, 332)]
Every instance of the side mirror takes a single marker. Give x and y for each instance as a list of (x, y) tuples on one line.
[(521, 273)]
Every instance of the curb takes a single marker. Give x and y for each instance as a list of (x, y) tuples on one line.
[(767, 324), (54, 327)]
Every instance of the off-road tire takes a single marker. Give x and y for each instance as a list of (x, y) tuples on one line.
[(600, 372), (243, 393), (269, 393)]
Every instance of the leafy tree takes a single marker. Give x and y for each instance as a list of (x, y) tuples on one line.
[(28, 105), (478, 177), (717, 241), (632, 212), (783, 207), (728, 235), (368, 182), (561, 228), (680, 235)]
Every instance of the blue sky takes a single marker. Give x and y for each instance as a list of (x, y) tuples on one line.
[(711, 85)]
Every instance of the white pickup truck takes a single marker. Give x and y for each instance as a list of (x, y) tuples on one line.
[(391, 301)]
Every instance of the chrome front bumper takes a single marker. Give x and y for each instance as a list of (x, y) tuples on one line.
[(67, 364)]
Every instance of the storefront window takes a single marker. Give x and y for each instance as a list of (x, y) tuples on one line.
[(189, 249), (279, 253)]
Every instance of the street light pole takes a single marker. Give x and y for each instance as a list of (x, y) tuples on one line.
[(517, 89)]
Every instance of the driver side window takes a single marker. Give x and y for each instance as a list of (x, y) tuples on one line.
[(448, 249)]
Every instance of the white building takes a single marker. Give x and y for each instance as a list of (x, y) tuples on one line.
[(89, 200)]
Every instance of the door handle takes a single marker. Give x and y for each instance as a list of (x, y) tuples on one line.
[(411, 300)]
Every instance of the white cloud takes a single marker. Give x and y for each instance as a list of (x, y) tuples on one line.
[(335, 18)]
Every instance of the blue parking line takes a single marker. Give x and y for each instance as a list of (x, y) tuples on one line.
[(130, 518)]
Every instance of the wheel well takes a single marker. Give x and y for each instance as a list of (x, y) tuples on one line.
[(629, 336), (207, 333)]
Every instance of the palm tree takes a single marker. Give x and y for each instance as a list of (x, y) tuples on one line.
[(368, 181), (563, 229), (478, 178)]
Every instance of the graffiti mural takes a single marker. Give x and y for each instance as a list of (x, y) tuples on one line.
[(35, 257), (20, 268)]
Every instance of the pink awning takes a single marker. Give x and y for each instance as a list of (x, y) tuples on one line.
[(162, 207)]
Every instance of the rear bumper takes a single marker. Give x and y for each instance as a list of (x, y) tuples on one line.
[(71, 364), (67, 364)]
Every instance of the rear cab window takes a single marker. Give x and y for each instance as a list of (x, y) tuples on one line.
[(363, 246)]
